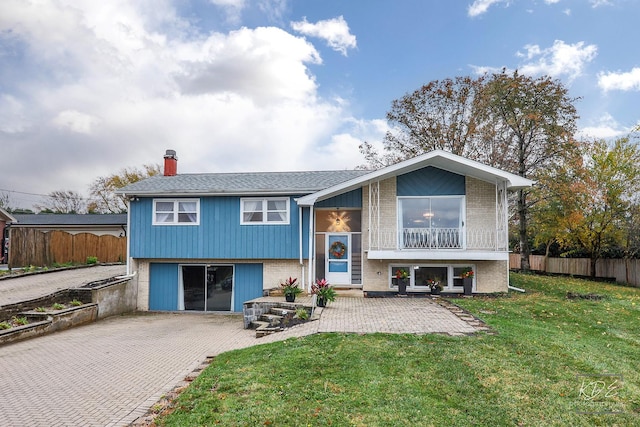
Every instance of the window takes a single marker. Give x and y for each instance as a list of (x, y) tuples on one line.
[(449, 275), (431, 222), (173, 212), (264, 211)]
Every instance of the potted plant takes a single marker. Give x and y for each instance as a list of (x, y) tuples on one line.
[(402, 276), (435, 286), (467, 281), (290, 289), (324, 291)]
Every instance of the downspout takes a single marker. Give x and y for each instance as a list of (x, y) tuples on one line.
[(301, 260), (513, 288), (128, 240), (311, 240), (129, 274)]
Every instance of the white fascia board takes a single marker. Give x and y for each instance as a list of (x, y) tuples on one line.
[(7, 216), (438, 158)]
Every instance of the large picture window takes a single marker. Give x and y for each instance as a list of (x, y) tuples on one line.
[(273, 210), (176, 211), (431, 222)]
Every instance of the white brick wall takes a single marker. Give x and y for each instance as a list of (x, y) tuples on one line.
[(480, 204)]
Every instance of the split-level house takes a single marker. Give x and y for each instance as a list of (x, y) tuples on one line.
[(210, 241)]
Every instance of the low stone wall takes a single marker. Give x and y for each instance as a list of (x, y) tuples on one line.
[(46, 323), (62, 296), (99, 300), (114, 297)]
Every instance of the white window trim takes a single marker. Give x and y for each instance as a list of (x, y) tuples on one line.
[(265, 212), (463, 214), (175, 211), (447, 287)]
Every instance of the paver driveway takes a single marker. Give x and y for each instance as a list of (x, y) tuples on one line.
[(111, 372)]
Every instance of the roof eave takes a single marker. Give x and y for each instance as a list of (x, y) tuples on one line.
[(183, 193), (437, 158)]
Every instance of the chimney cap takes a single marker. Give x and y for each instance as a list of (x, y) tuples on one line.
[(170, 154)]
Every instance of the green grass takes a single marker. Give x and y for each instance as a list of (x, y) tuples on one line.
[(526, 375)]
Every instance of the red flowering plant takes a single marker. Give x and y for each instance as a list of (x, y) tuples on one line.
[(402, 274), (323, 289), (467, 274), (290, 287)]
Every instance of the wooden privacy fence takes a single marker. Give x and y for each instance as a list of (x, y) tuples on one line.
[(33, 247), (623, 270)]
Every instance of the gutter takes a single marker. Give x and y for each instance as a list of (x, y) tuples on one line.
[(513, 288)]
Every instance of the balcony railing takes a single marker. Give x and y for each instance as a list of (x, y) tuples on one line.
[(431, 238), (435, 239)]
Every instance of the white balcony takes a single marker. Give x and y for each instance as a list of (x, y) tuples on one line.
[(437, 243)]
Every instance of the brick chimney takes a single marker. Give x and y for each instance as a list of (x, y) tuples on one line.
[(170, 163)]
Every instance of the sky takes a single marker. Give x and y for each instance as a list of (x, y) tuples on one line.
[(88, 87)]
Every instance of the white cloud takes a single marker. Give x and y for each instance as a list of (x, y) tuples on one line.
[(344, 149), (75, 121), (483, 69), (335, 31), (620, 81), (232, 8), (119, 82), (598, 3), (605, 127), (273, 9), (478, 7), (551, 1), (561, 59), (13, 115)]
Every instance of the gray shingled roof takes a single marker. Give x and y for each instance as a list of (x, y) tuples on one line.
[(242, 183), (70, 219)]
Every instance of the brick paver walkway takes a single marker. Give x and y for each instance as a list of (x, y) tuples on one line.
[(111, 372)]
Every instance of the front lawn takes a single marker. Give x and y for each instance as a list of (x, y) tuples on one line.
[(551, 363)]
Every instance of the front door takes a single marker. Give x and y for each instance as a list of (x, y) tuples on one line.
[(338, 258)]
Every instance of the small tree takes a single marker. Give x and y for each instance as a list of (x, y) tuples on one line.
[(591, 204), (104, 199), (63, 202)]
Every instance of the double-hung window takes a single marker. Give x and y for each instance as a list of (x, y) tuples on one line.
[(271, 210), (176, 211)]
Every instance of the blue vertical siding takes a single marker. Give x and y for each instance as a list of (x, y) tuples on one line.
[(247, 284), (430, 181), (351, 199), (163, 287), (218, 236), (305, 232)]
